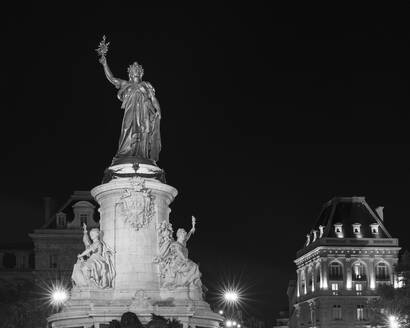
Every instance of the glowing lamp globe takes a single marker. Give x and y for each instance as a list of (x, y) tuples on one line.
[(393, 322), (231, 296), (59, 296)]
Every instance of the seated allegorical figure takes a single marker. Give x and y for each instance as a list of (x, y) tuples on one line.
[(177, 270), (94, 267)]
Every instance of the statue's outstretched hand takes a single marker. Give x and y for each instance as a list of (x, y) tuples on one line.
[(193, 223), (103, 60)]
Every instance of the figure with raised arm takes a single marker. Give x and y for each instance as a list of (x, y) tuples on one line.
[(177, 270), (140, 139), (94, 267)]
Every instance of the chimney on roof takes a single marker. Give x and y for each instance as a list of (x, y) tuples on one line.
[(379, 211), (47, 208)]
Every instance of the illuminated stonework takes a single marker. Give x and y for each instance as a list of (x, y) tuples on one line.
[(339, 271)]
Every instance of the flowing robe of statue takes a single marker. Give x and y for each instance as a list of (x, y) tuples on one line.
[(140, 132), (181, 271)]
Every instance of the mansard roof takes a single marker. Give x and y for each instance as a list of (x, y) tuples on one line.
[(348, 222), (348, 211), (80, 198)]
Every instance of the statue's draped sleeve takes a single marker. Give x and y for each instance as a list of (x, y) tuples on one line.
[(86, 240)]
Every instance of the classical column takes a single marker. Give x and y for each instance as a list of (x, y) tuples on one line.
[(323, 275), (372, 277), (298, 283), (305, 280), (313, 276), (348, 273)]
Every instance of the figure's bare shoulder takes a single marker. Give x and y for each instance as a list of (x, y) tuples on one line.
[(122, 84)]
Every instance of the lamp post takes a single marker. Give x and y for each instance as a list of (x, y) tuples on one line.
[(231, 298)]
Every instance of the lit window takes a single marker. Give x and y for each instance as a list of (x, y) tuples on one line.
[(374, 227), (360, 312), (338, 230), (335, 286), (335, 271), (356, 229), (61, 220), (337, 312), (359, 287), (359, 271), (382, 272)]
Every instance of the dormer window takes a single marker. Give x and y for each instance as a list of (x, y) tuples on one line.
[(338, 230), (374, 227), (83, 213), (356, 229), (61, 220)]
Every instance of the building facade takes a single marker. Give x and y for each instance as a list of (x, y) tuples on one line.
[(16, 264), (347, 255), (58, 242)]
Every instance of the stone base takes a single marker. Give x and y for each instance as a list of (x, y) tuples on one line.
[(128, 170), (88, 308), (136, 286)]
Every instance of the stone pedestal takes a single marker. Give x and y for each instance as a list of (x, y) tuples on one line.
[(131, 210)]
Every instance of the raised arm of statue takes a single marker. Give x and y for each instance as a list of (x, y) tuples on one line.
[(118, 83), (86, 239), (192, 231)]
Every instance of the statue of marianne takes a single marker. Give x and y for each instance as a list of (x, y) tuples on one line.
[(140, 139)]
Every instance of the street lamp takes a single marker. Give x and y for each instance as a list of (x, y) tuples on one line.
[(58, 296), (393, 321), (231, 296)]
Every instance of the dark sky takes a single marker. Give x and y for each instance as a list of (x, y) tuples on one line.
[(262, 123)]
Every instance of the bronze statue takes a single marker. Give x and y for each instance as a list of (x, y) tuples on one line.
[(140, 140)]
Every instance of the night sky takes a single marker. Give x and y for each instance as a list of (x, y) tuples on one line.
[(262, 123)]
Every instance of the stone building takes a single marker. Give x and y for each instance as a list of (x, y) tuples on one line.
[(16, 264), (347, 255), (58, 242)]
